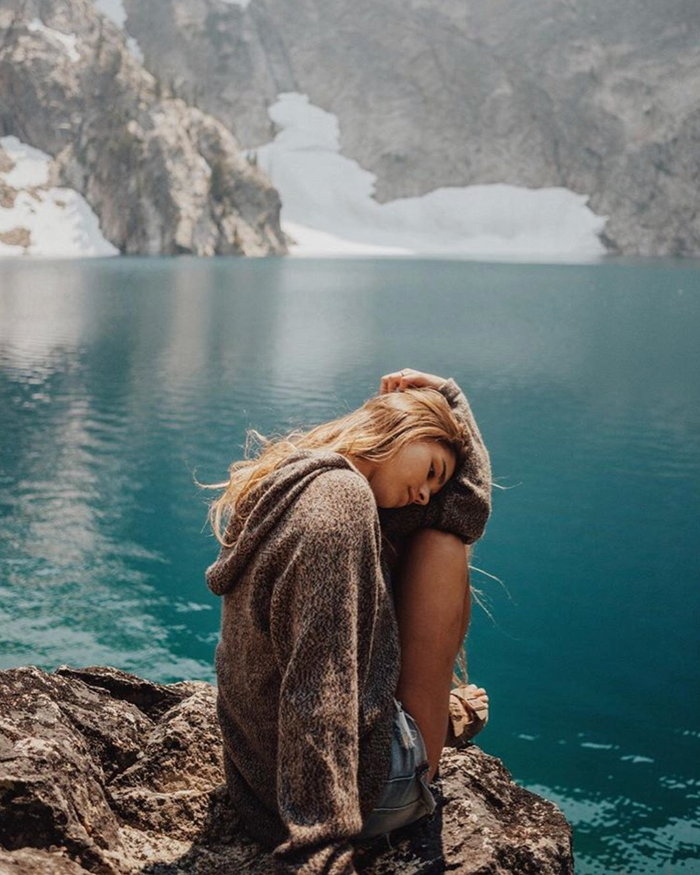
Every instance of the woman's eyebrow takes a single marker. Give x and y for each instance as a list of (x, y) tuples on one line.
[(442, 476)]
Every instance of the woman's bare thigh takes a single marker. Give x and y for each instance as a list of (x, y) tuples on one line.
[(431, 591)]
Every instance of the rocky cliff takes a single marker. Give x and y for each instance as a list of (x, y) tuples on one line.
[(104, 772), (163, 177), (598, 97)]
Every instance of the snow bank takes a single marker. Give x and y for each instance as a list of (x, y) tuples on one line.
[(328, 208), (66, 41), (54, 222)]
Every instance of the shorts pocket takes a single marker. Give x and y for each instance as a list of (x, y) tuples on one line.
[(406, 795), (405, 799), (386, 819), (426, 793)]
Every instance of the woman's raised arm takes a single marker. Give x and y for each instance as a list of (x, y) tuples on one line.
[(463, 505)]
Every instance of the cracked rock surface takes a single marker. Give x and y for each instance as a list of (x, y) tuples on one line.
[(102, 771)]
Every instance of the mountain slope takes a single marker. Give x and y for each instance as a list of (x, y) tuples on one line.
[(162, 176), (599, 98)]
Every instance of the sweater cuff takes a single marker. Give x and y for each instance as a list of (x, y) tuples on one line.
[(464, 503), (450, 390)]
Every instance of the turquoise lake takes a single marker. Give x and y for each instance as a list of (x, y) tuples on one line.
[(122, 379)]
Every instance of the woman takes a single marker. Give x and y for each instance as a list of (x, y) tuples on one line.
[(345, 603)]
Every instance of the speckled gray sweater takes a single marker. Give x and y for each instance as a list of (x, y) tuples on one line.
[(308, 660)]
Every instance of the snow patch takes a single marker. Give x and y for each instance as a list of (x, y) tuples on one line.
[(115, 12), (31, 165), (328, 206), (112, 9), (67, 41), (311, 241), (242, 3), (134, 49), (58, 221)]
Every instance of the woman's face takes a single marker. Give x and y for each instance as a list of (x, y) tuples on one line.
[(413, 475)]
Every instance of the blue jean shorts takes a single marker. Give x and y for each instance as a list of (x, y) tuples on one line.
[(406, 796)]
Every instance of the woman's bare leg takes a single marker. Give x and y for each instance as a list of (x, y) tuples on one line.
[(433, 606)]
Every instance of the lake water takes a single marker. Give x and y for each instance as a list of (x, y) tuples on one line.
[(120, 379)]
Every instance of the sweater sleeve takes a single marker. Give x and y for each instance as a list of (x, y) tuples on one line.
[(463, 505), (321, 612)]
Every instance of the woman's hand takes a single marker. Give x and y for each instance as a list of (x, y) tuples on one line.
[(408, 378)]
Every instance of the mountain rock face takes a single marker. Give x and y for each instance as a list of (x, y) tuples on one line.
[(104, 772), (162, 176), (598, 97)]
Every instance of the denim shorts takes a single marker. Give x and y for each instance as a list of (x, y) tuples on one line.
[(406, 795)]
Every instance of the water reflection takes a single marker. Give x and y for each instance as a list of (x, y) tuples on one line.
[(119, 378)]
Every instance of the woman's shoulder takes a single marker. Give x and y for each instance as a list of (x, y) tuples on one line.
[(338, 493), (342, 483)]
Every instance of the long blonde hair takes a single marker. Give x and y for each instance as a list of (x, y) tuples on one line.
[(375, 432)]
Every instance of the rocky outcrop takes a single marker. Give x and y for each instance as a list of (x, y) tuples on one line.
[(597, 97), (104, 772), (163, 177)]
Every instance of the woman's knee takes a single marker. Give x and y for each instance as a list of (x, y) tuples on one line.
[(442, 545), (436, 576)]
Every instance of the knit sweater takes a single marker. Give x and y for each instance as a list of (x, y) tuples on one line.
[(308, 659)]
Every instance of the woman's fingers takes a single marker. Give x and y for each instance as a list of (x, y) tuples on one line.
[(396, 380), (400, 380)]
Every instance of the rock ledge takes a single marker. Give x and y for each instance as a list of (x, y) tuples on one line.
[(102, 771)]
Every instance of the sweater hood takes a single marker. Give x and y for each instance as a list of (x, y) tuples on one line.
[(268, 501)]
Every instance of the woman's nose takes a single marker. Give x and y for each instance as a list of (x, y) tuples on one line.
[(423, 495)]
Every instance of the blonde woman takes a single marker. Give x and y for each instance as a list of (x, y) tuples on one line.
[(343, 570)]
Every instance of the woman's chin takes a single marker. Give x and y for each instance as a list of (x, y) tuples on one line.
[(399, 503), (387, 504), (390, 503)]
